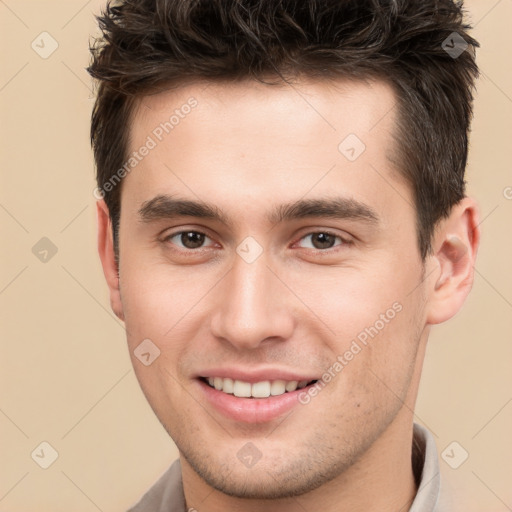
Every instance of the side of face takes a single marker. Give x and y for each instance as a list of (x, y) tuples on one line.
[(251, 297)]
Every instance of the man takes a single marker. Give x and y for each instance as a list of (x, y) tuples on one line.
[(282, 219)]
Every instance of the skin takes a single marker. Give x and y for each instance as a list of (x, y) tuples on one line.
[(245, 148)]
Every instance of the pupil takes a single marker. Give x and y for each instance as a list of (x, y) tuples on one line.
[(325, 239), (192, 240)]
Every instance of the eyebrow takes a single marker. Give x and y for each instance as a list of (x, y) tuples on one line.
[(165, 206)]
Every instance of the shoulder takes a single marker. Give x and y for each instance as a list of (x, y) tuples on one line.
[(432, 495), (166, 495)]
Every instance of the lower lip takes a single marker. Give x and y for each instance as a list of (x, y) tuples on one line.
[(251, 410)]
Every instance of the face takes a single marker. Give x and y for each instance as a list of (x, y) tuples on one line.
[(264, 247)]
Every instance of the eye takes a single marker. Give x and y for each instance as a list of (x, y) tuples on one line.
[(319, 240), (323, 240), (187, 239)]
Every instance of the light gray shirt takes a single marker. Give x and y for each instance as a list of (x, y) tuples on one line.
[(166, 495)]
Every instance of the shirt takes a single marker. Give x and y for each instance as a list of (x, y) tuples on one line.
[(166, 495)]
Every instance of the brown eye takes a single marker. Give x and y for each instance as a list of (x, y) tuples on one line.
[(187, 239), (322, 240)]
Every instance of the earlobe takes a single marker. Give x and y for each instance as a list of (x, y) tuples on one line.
[(107, 257), (455, 247)]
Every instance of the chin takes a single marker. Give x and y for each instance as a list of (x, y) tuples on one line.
[(263, 486), (279, 478)]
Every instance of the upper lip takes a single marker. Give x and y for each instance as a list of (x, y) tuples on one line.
[(256, 374)]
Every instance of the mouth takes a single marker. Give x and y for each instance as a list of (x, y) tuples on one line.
[(262, 389), (254, 396)]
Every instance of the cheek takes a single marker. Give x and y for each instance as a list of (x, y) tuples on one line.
[(349, 300), (374, 320), (158, 298)]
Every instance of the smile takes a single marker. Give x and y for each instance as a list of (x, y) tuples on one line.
[(262, 389)]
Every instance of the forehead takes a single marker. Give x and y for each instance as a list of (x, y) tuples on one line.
[(330, 106), (248, 141)]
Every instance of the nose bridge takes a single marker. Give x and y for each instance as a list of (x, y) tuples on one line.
[(252, 305)]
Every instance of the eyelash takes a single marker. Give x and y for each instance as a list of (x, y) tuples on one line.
[(344, 241)]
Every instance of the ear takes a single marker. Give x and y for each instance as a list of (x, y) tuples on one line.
[(107, 257), (455, 246)]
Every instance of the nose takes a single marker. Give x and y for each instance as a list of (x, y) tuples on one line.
[(253, 305)]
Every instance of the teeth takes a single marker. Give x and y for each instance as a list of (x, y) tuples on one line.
[(228, 386), (217, 383), (278, 387), (262, 389), (292, 385), (242, 389)]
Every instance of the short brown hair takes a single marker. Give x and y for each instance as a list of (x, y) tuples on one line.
[(419, 47)]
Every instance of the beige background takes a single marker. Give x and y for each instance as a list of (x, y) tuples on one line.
[(66, 377)]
